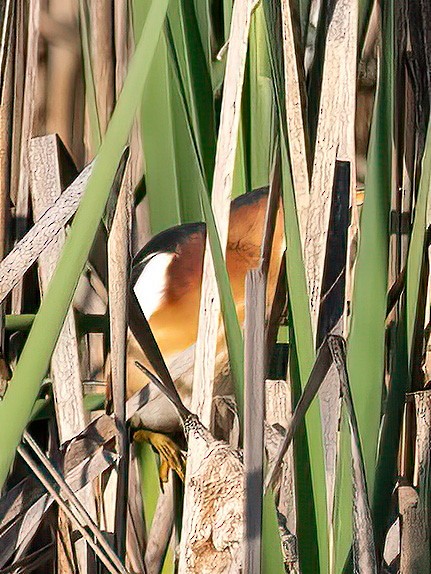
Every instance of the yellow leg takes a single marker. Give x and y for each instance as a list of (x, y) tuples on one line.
[(170, 453)]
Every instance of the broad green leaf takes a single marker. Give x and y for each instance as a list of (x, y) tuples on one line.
[(303, 12), (203, 18), (365, 7), (158, 125), (272, 557), (209, 16), (240, 183), (227, 15), (367, 333), (417, 242), (260, 110), (150, 486), (311, 505), (189, 56), (149, 480), (188, 171), (366, 343), (179, 72)]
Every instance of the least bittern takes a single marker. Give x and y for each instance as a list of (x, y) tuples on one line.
[(166, 280)]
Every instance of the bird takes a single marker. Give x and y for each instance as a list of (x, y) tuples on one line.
[(165, 287)]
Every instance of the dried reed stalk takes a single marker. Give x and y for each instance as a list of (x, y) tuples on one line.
[(209, 318), (25, 126), (103, 58), (278, 409), (254, 415), (414, 502), (16, 263), (118, 273), (46, 187), (335, 140), (294, 85), (6, 106), (59, 27)]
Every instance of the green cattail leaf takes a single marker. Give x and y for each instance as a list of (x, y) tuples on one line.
[(366, 342), (417, 242)]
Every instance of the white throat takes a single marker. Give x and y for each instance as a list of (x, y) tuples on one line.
[(150, 287)]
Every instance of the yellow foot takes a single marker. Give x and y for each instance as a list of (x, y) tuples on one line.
[(170, 453)]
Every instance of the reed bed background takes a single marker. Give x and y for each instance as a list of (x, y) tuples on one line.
[(184, 105)]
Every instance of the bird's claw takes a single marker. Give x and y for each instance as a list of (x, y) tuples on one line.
[(170, 453)]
